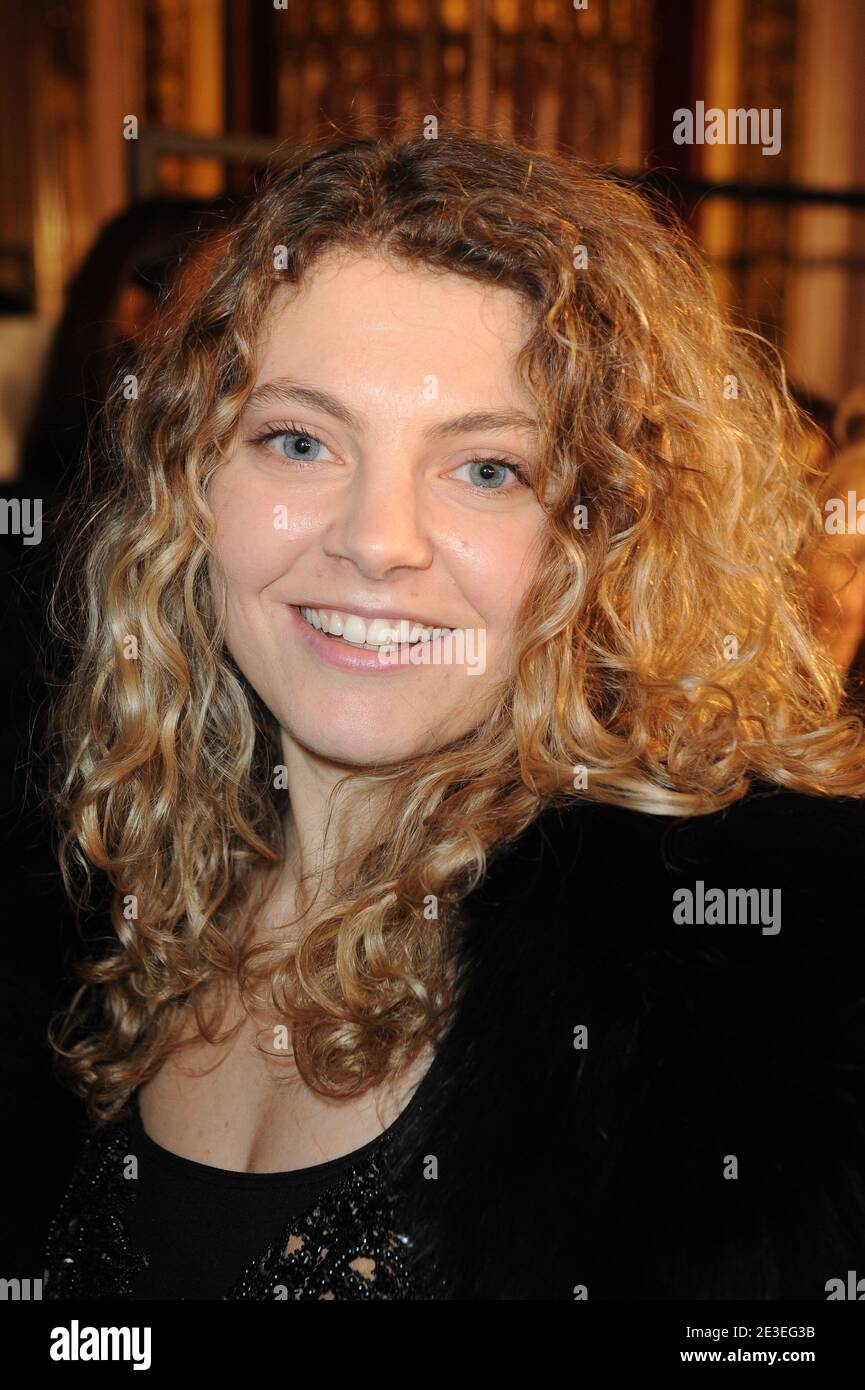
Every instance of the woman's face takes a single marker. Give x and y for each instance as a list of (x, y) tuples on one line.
[(374, 476)]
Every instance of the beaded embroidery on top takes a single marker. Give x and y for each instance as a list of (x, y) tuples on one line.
[(345, 1246), (89, 1254)]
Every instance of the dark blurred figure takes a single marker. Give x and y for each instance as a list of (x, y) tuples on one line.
[(821, 410), (133, 263)]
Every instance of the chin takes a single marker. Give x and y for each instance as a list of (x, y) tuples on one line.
[(353, 746)]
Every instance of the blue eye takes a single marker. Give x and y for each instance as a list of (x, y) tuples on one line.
[(300, 446), (292, 441), (492, 475), (495, 476), (485, 468)]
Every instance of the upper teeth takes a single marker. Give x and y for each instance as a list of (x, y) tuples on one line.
[(378, 632)]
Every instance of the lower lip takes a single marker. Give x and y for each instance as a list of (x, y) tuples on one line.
[(346, 657)]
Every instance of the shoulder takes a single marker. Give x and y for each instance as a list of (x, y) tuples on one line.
[(746, 922), (704, 1079), (616, 861)]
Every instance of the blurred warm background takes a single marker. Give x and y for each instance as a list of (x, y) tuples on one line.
[(214, 85)]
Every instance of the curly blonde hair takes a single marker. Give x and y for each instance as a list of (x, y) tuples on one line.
[(664, 647)]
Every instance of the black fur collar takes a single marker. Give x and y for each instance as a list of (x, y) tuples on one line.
[(606, 1170)]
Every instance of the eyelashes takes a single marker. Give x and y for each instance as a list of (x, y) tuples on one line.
[(265, 437)]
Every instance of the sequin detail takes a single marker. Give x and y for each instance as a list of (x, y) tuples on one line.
[(347, 1245), (88, 1253)]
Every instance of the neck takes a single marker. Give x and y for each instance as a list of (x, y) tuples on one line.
[(332, 811)]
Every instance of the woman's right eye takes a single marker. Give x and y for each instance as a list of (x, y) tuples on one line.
[(298, 446)]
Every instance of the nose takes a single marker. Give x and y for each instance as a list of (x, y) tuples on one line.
[(380, 525)]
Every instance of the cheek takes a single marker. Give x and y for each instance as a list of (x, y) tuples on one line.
[(498, 572), (254, 530)]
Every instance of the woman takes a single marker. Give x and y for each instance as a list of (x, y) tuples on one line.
[(444, 672)]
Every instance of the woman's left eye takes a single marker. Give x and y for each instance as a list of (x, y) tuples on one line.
[(489, 475)]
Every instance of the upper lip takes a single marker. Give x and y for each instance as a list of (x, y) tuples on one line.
[(364, 611)]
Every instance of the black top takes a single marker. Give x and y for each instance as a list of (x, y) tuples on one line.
[(690, 1093), (200, 1226)]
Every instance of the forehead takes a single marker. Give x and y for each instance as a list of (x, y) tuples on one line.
[(363, 316)]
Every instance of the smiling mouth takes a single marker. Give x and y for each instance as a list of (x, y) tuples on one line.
[(375, 634)]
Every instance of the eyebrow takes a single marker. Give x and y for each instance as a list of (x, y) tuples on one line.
[(473, 421)]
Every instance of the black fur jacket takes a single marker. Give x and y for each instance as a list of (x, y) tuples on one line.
[(650, 1089)]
